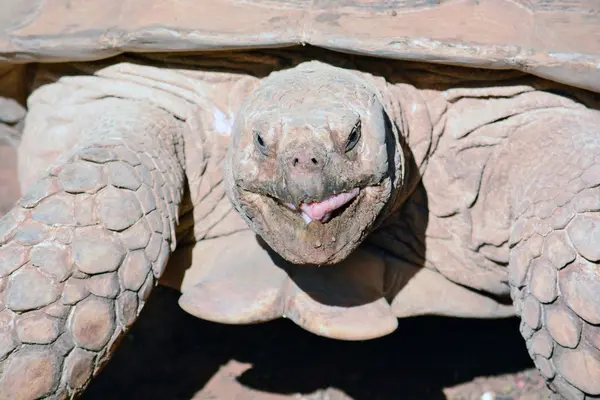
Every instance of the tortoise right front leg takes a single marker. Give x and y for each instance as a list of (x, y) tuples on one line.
[(85, 245)]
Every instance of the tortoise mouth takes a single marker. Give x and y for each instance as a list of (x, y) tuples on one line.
[(335, 226), (327, 213), (327, 209)]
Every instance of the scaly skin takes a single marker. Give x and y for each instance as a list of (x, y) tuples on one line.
[(514, 182), (554, 274), (84, 247)]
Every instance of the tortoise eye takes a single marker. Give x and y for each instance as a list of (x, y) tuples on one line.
[(354, 137), (260, 143)]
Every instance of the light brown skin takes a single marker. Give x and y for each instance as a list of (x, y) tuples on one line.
[(313, 113), (481, 212)]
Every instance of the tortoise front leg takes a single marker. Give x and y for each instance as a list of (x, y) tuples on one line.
[(555, 249), (85, 245)]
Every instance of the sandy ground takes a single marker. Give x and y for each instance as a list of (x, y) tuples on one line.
[(172, 355), (169, 354)]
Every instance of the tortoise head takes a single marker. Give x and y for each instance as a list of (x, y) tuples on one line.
[(313, 162)]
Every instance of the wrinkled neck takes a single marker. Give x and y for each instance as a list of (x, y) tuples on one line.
[(415, 137)]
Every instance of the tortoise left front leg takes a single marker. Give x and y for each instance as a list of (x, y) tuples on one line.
[(555, 249)]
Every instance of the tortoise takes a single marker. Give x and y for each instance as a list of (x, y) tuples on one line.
[(340, 164)]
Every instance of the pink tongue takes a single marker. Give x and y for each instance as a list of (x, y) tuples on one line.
[(321, 210)]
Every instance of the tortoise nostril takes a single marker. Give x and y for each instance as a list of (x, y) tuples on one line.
[(305, 159)]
